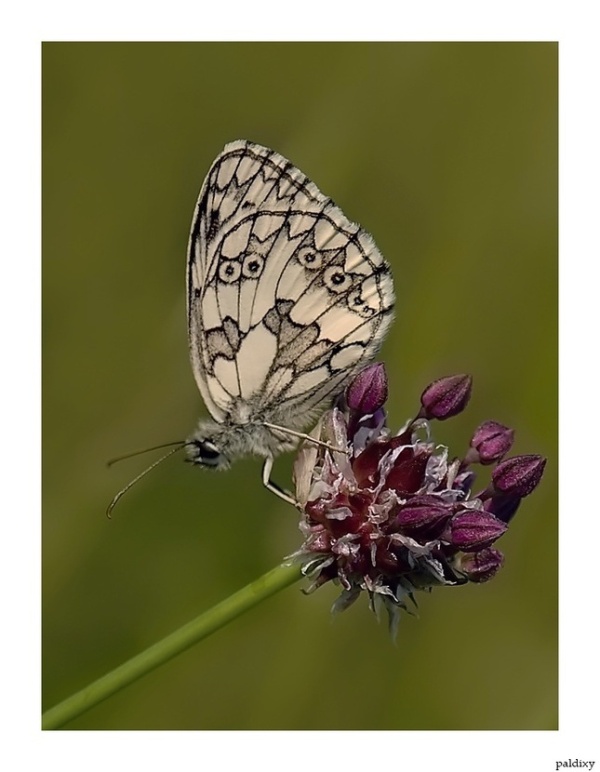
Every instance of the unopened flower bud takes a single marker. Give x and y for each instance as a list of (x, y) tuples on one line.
[(481, 566), (369, 389), (519, 475), (492, 440), (422, 514), (472, 530), (446, 397)]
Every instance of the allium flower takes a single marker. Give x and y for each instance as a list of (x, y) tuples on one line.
[(389, 514)]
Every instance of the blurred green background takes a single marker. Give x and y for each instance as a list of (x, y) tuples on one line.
[(447, 154)]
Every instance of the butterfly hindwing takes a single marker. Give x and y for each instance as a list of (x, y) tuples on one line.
[(286, 297)]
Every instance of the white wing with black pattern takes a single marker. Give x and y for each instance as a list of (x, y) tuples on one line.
[(287, 298)]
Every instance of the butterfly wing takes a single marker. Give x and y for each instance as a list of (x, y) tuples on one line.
[(286, 297)]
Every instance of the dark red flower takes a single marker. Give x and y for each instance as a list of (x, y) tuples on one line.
[(390, 514)]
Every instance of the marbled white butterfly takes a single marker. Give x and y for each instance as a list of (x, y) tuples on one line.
[(286, 300)]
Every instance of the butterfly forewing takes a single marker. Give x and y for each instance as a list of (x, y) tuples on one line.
[(286, 297)]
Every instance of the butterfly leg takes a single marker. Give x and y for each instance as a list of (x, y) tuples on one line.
[(273, 487)]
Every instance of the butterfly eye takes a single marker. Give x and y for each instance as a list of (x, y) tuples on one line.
[(336, 280), (308, 258), (229, 271), (208, 454), (208, 449), (205, 453), (253, 266)]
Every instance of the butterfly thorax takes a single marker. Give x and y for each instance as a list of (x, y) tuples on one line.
[(218, 444)]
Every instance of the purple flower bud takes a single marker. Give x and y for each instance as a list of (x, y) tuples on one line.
[(369, 389), (446, 397), (481, 566), (423, 514), (492, 440), (519, 475), (472, 530)]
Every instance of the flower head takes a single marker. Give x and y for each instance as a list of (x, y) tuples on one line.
[(389, 514)]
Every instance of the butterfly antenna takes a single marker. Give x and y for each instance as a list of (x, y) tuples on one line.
[(146, 450), (129, 485)]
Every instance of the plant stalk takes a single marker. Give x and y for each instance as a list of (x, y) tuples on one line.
[(270, 583)]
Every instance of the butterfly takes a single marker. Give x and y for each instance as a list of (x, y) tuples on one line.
[(286, 300)]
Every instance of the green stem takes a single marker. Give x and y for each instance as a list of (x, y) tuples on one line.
[(205, 624)]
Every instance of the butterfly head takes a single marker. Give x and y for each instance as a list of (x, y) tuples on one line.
[(205, 453)]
